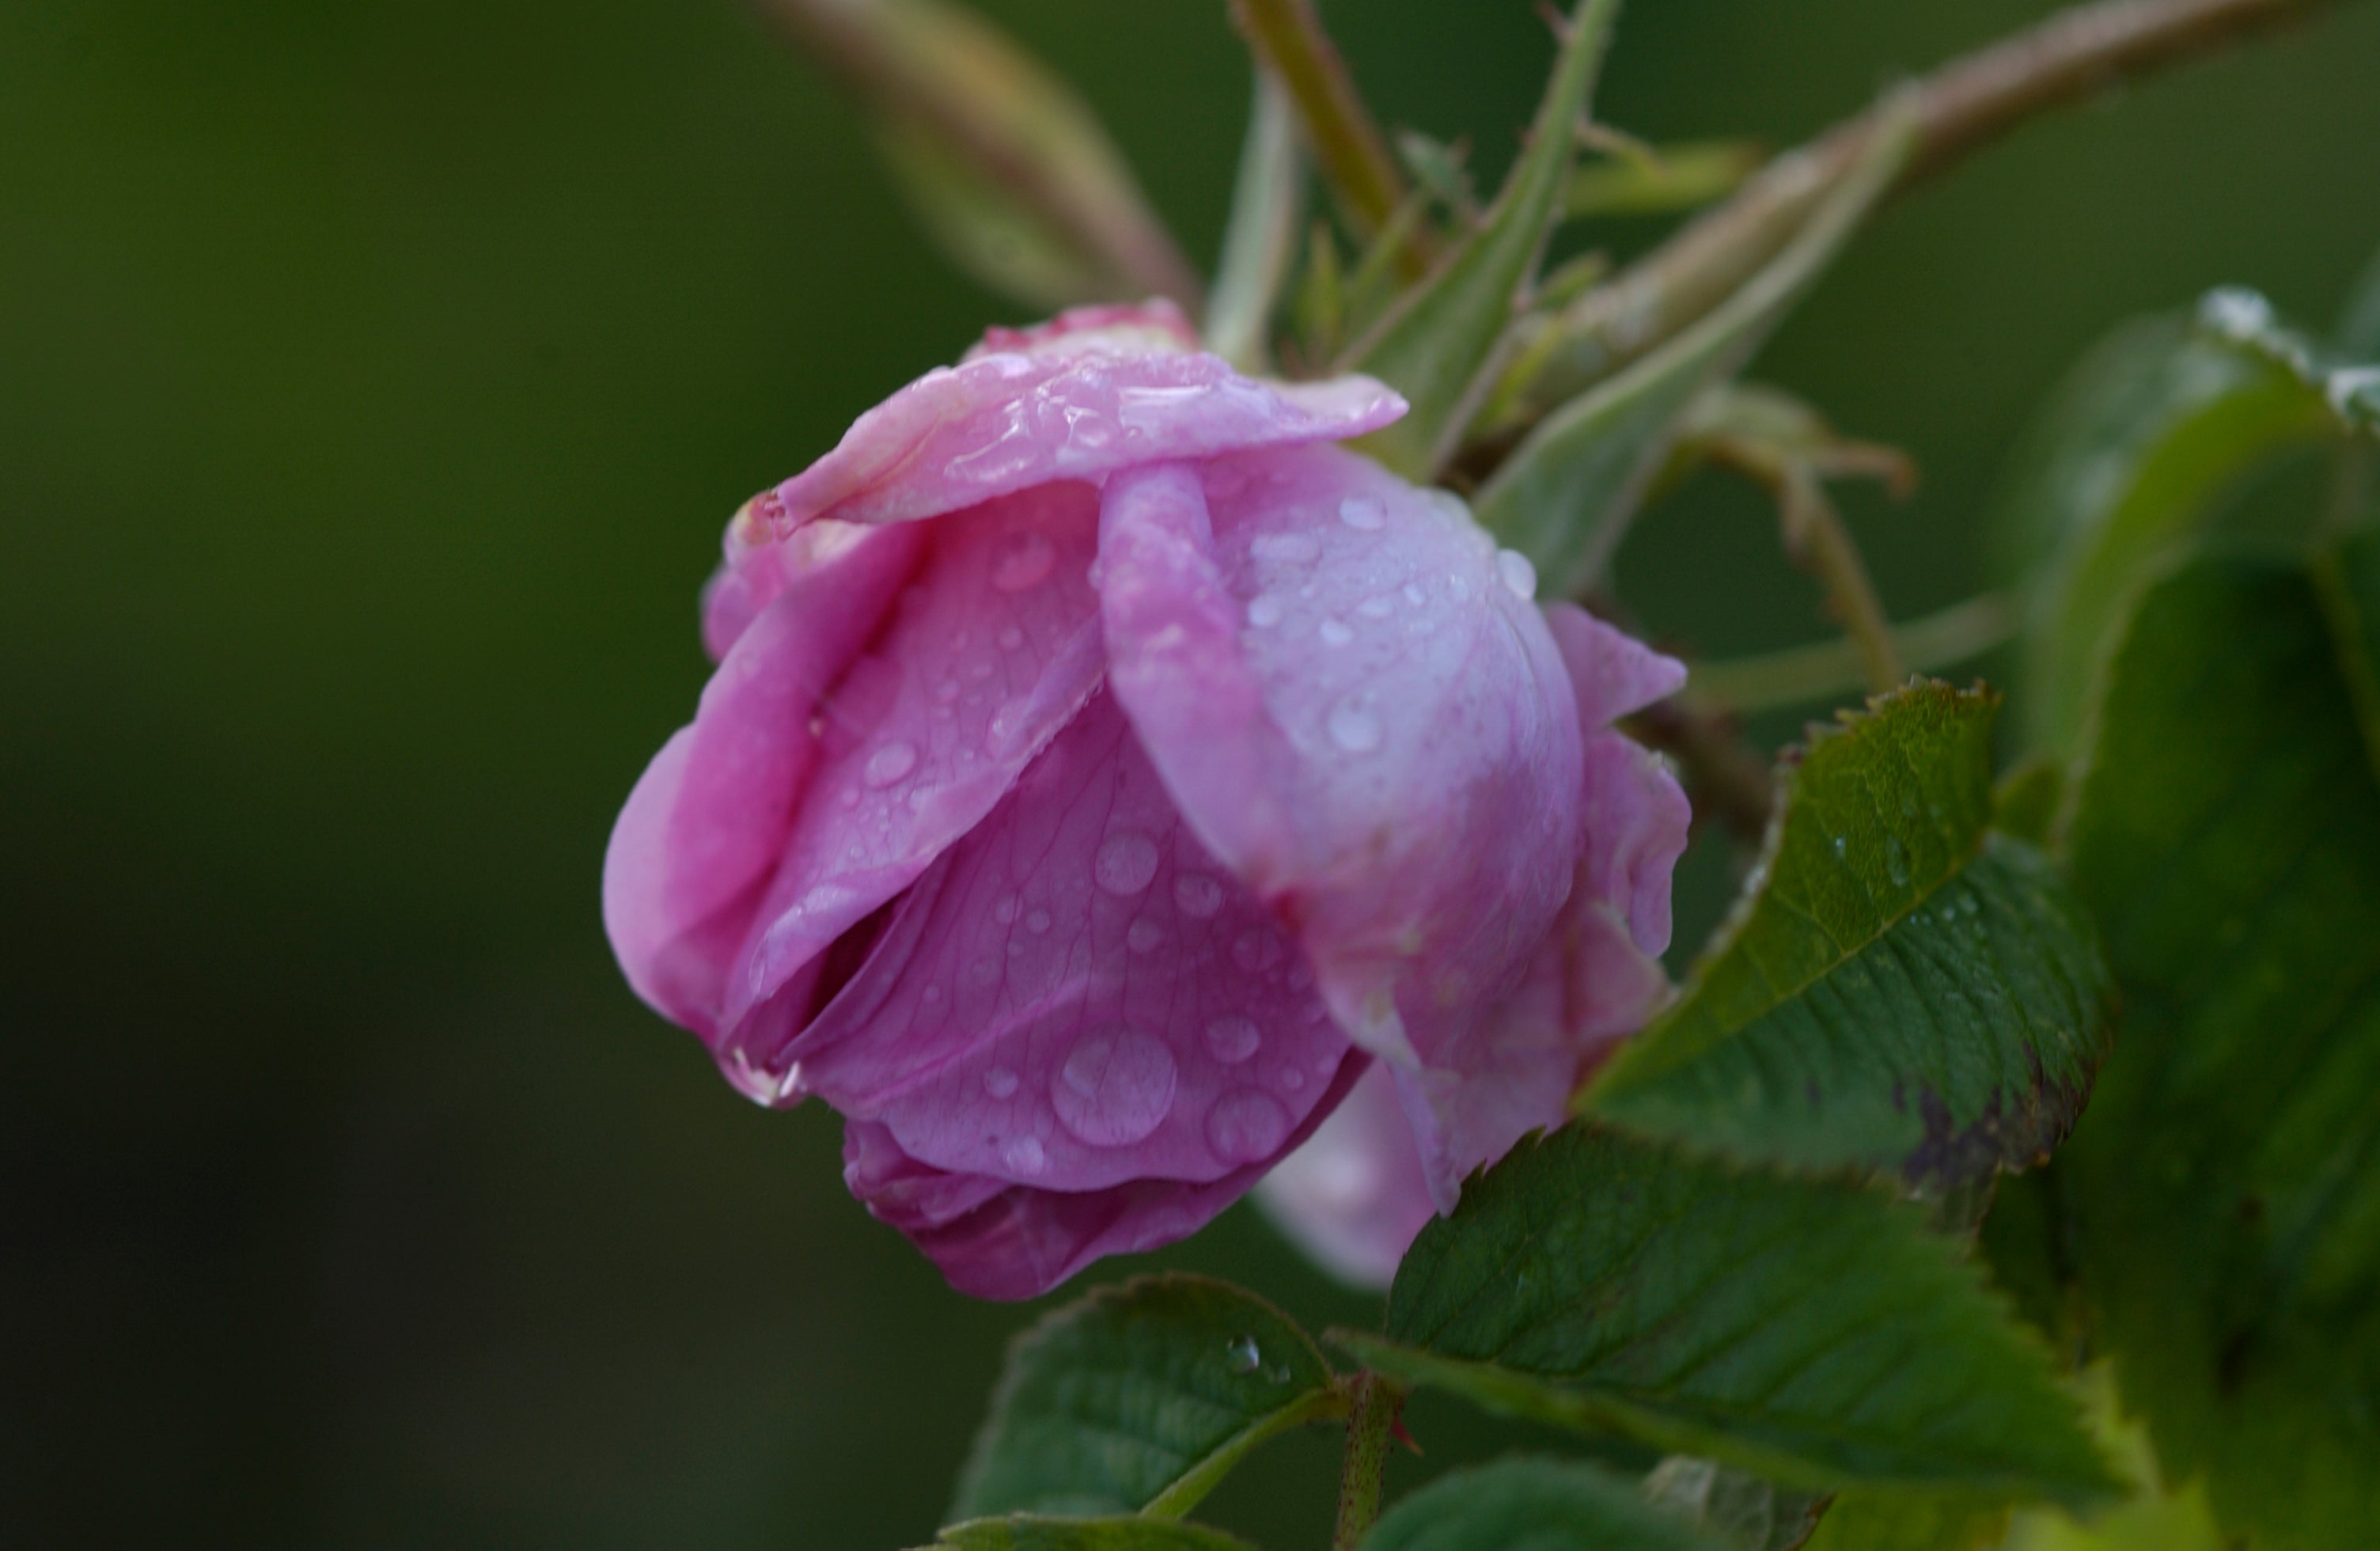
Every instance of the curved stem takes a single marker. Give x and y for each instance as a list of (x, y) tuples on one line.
[(1370, 1424), (1800, 675)]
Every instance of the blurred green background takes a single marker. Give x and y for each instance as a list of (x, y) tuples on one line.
[(374, 380)]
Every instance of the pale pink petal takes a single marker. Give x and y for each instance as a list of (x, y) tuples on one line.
[(989, 650), (1354, 1197), (1007, 420), (1612, 672), (1359, 710), (996, 1239), (1635, 821), (695, 846), (1078, 996)]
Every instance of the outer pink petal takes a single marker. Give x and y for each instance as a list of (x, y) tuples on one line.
[(1361, 712), (701, 834), (1354, 1197), (1009, 419), (991, 649), (1078, 996), (1635, 816), (996, 1239)]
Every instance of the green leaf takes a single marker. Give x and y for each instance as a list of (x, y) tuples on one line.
[(1139, 1399), (1745, 1512), (1565, 495), (996, 240), (1672, 177), (2226, 1185), (1542, 1505), (1261, 238), (2358, 330), (2134, 458), (1438, 347), (1904, 989), (1027, 1531), (1804, 1330), (1872, 1522)]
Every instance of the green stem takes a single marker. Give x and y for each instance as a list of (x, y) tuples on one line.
[(2074, 54), (1353, 153), (1370, 1424), (1825, 545), (1262, 236), (1800, 675)]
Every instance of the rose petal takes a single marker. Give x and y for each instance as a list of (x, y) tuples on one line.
[(1006, 420), (694, 845), (1612, 672), (1362, 713), (991, 649), (1077, 996), (995, 1240), (1354, 1196)]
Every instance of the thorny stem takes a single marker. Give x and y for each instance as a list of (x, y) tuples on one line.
[(1288, 37), (1955, 110), (927, 63), (1370, 1424)]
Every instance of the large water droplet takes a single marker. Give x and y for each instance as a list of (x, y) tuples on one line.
[(1115, 1088), (1354, 726), (1363, 514), (1023, 1156), (1245, 1126), (1126, 862), (1334, 634), (1144, 935), (1000, 1081), (1264, 611), (1518, 574), (891, 762), (1198, 895), (1241, 1354), (1006, 910), (1232, 1040), (1038, 922), (1024, 559)]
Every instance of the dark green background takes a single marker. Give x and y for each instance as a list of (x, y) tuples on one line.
[(375, 379)]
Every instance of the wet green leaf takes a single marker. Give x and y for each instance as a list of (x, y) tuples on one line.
[(1902, 989), (1746, 1512), (2225, 1184), (1543, 1504), (1025, 1531), (1139, 1398), (1873, 1522), (1673, 177), (1437, 346), (1808, 1331)]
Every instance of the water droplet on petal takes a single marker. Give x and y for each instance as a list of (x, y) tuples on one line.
[(1198, 895), (1010, 637), (1126, 863), (1024, 1156), (1414, 595), (1256, 948), (1038, 922), (1232, 1040), (891, 762), (1006, 911), (1353, 726), (1245, 1126), (1143, 935), (1115, 1088), (1264, 611), (1518, 574), (1024, 559), (1363, 514), (1292, 1078), (1285, 549), (1334, 634), (1000, 1081), (1375, 608)]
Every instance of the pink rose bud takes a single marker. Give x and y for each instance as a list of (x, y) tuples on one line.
[(1106, 779)]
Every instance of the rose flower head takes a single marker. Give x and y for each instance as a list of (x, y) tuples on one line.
[(1111, 789)]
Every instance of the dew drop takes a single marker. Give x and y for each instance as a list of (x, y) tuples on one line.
[(1414, 595), (1010, 637), (1264, 611), (1292, 1078), (1363, 514), (1243, 1355), (1000, 1081), (1334, 634), (1024, 561), (1126, 863), (1232, 1040), (1245, 1126), (1144, 935), (1022, 1155), (1896, 861), (1375, 608), (1038, 922), (1255, 950), (1353, 726), (891, 762), (1006, 911), (1115, 1088), (1198, 895), (1519, 575), (1285, 549)]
